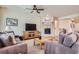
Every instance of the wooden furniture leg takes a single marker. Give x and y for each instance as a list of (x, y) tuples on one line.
[(41, 46), (34, 42)]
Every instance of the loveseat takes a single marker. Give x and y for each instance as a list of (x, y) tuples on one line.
[(9, 44), (57, 47)]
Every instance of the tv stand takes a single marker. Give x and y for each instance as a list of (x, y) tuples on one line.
[(30, 34)]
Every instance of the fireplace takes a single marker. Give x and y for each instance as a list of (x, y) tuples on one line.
[(47, 31)]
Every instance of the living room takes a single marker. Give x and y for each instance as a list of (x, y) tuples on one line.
[(38, 26)]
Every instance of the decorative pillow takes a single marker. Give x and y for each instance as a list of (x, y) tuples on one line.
[(11, 33), (4, 39), (69, 40), (1, 44), (61, 37), (7, 38), (10, 40)]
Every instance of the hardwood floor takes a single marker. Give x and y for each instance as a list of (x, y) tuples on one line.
[(33, 49)]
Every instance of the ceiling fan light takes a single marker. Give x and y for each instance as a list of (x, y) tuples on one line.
[(34, 11), (47, 17)]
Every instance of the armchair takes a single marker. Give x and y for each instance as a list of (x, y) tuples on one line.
[(55, 47)]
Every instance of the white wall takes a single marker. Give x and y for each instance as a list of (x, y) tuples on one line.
[(23, 17), (37, 19), (18, 14), (64, 22), (26, 17)]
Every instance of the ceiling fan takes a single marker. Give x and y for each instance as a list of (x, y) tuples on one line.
[(35, 9)]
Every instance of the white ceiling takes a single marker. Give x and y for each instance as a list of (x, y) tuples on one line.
[(54, 10)]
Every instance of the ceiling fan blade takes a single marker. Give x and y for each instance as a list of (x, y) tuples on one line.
[(3, 7), (35, 9), (29, 9), (40, 9), (32, 11)]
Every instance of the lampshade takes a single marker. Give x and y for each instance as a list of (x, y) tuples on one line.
[(8, 28), (47, 17)]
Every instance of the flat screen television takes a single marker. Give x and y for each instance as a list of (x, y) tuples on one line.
[(30, 27), (47, 31)]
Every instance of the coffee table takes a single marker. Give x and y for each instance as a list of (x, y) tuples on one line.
[(43, 39)]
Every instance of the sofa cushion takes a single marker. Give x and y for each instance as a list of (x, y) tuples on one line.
[(11, 33), (61, 37), (4, 38), (69, 40), (1, 44), (8, 39)]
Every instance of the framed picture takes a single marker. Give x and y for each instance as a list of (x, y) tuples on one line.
[(11, 22)]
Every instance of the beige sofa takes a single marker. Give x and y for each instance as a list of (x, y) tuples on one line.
[(14, 49), (8, 47)]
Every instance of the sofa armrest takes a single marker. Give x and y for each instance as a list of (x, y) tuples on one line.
[(76, 47), (18, 48), (15, 49), (3, 51)]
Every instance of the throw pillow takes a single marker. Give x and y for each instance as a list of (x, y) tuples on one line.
[(1, 44), (13, 39), (5, 39), (61, 38), (10, 41), (69, 40), (12, 36)]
